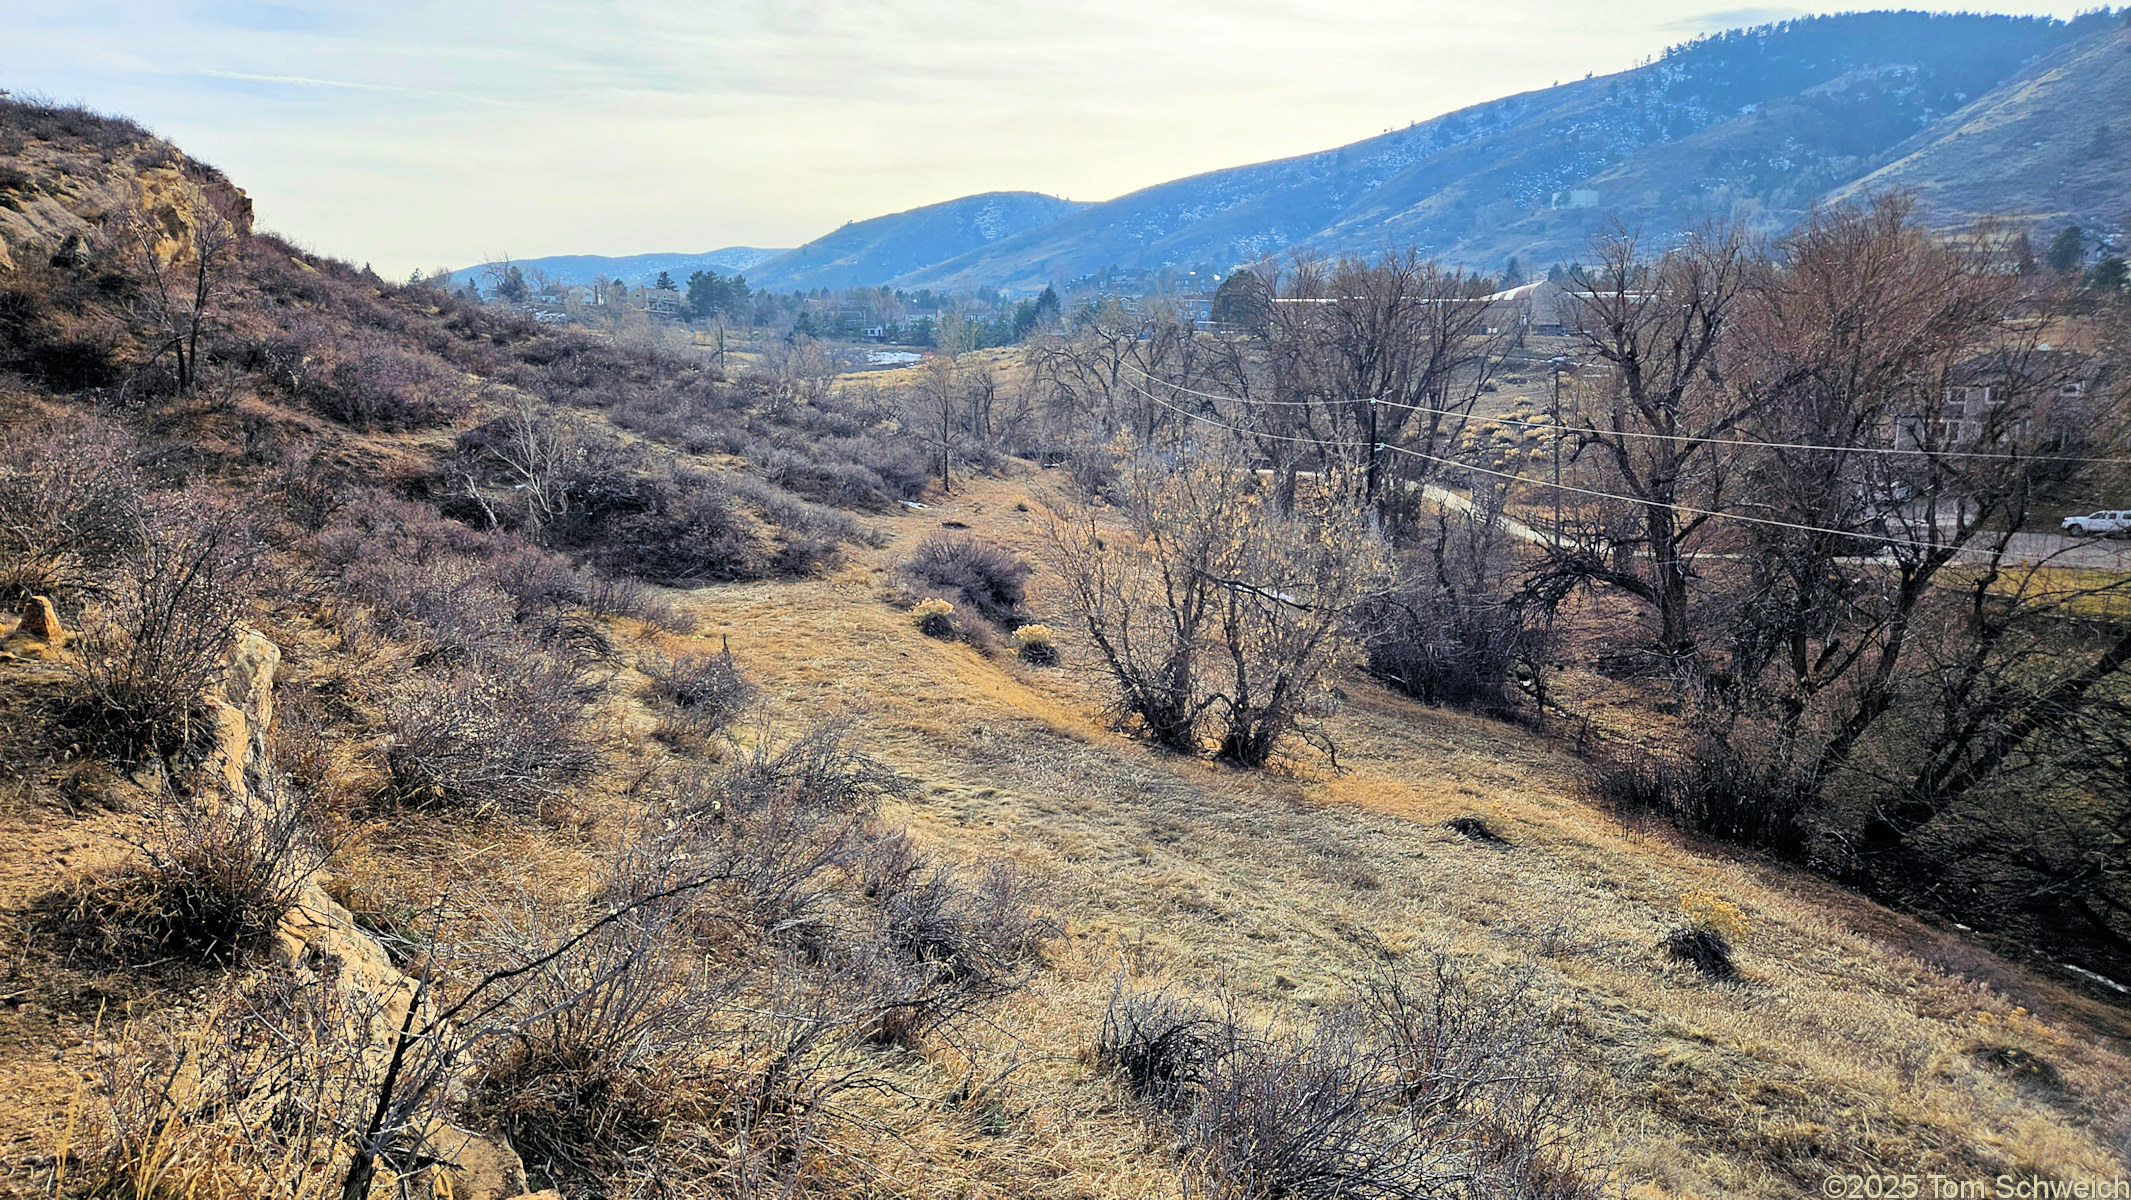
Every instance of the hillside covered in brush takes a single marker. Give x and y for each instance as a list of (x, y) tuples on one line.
[(451, 755)]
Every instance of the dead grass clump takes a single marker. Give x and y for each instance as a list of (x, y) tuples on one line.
[(699, 695), (216, 875), (969, 572), (149, 650), (1706, 950)]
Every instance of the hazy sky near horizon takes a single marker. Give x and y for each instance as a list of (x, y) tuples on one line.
[(441, 133)]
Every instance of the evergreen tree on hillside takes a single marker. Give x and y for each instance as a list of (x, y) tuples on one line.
[(713, 295), (2067, 250), (1242, 300), (665, 282)]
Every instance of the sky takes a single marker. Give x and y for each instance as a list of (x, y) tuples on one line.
[(410, 134)]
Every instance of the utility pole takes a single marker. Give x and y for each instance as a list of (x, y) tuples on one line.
[(1375, 450), (1558, 363)]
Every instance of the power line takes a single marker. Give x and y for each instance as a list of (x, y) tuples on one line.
[(1700, 512), (1665, 437)]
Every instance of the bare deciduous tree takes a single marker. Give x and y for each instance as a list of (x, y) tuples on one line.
[(182, 264), (1211, 600)]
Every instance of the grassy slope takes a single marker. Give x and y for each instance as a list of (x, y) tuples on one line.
[(1857, 1038)]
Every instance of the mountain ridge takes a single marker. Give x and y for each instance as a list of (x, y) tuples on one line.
[(632, 269), (1755, 126)]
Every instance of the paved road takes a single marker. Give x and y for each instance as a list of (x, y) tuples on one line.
[(2060, 551), (2054, 549)]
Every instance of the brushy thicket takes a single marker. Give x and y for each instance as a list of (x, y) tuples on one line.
[(765, 944), (782, 935), (214, 878), (161, 632), (1705, 786), (972, 573), (70, 503), (507, 656), (1424, 1084)]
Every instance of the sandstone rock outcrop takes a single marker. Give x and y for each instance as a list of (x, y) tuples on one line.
[(321, 945), (41, 621)]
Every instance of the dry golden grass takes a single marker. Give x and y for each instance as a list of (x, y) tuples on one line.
[(1855, 1041)]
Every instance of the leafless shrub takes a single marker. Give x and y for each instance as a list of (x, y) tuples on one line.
[(216, 875), (602, 1050), (452, 606), (970, 572), (768, 934), (1212, 606), (1707, 788), (151, 648), (1159, 1043), (1443, 648), (685, 530), (955, 944), (261, 1089), (377, 386), (1305, 1115), (310, 489), (538, 581), (700, 694), (501, 733), (822, 766), (1425, 1085), (69, 504), (623, 596)]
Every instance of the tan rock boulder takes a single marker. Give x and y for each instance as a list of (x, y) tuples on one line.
[(483, 1166), (242, 710), (41, 621)]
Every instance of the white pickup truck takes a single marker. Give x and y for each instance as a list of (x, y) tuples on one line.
[(2109, 522)]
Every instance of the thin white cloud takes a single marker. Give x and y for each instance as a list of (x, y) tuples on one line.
[(416, 132), (348, 84)]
